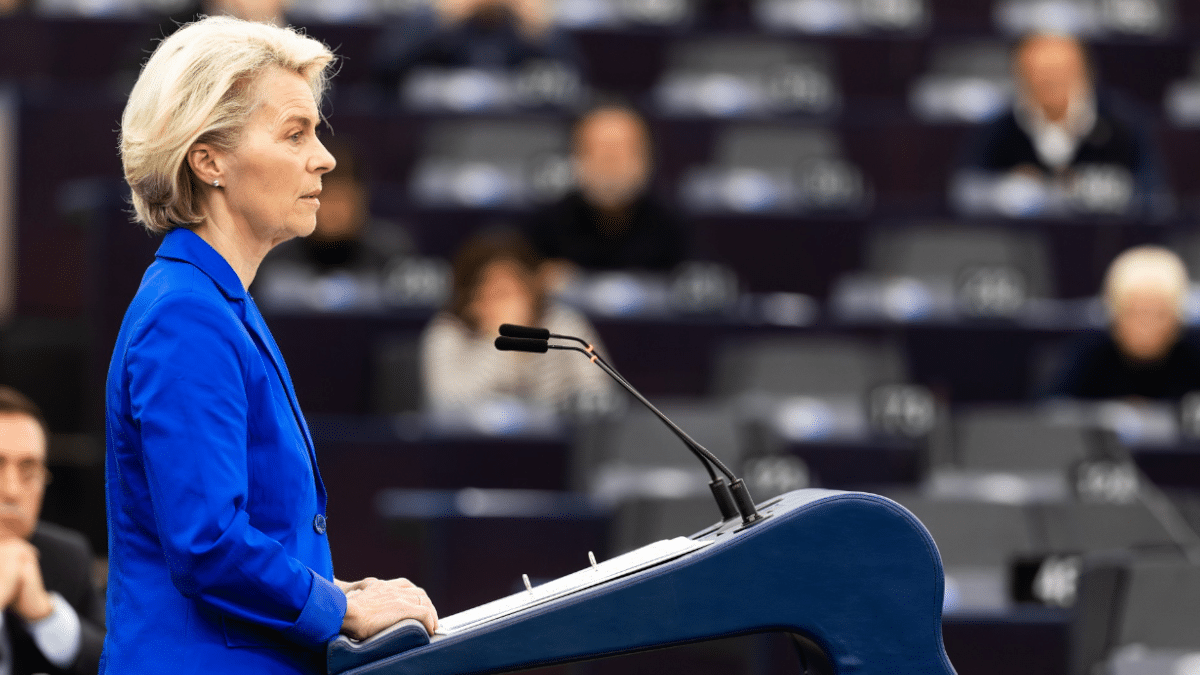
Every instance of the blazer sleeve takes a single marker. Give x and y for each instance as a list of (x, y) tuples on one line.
[(187, 365)]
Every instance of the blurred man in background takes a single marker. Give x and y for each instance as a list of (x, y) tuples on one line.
[(611, 220), (483, 34), (53, 615), (341, 264), (1061, 123), (1145, 353)]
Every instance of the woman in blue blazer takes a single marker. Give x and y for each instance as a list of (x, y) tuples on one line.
[(218, 543)]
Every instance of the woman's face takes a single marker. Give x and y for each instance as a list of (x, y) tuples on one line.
[(271, 181), (502, 296)]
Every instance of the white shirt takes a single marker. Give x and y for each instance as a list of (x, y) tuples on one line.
[(58, 636), (1056, 142), (461, 368)]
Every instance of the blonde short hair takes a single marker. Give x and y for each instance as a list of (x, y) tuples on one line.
[(196, 88), (1146, 268)]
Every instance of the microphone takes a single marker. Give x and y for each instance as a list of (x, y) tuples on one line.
[(521, 344), (530, 332), (733, 498), (513, 330)]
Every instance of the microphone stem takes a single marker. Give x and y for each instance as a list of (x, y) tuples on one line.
[(590, 351), (733, 499), (707, 458)]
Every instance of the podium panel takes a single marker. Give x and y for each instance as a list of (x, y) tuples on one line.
[(854, 577)]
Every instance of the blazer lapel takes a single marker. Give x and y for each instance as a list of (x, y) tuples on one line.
[(258, 327), (183, 244)]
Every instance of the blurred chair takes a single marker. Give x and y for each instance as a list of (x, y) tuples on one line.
[(1017, 439), (1136, 616), (809, 366), (491, 164), (635, 453), (973, 534), (1086, 18), (946, 271), (842, 17), (1162, 606), (644, 520), (966, 82), (1187, 245), (396, 385), (937, 251), (775, 168), (977, 542), (1181, 101), (735, 77), (1078, 528), (659, 488)]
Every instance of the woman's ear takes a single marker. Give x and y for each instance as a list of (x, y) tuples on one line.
[(203, 160)]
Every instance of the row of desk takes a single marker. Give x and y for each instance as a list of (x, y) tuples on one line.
[(330, 356)]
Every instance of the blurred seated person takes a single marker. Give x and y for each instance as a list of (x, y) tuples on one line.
[(163, 25), (610, 221), (496, 282), (1061, 122), (347, 247), (263, 11), (482, 34), (53, 615), (1146, 352), (13, 7)]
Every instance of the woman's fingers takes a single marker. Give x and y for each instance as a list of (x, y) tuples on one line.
[(375, 606)]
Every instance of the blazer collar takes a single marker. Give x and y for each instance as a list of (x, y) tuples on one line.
[(187, 246)]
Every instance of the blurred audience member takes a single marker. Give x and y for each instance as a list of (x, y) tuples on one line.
[(53, 615), (11, 7), (164, 25), (266, 11), (610, 221), (1145, 353), (348, 246), (496, 282), (1061, 122), (484, 34)]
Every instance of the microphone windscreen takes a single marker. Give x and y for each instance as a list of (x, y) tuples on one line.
[(517, 344), (513, 330)]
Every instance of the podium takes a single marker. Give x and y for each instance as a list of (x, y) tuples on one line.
[(853, 577)]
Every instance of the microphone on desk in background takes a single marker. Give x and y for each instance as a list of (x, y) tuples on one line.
[(733, 498)]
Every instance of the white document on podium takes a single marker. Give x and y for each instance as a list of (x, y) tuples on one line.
[(622, 565)]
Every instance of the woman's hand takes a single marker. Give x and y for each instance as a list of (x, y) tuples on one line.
[(373, 605), (347, 586)]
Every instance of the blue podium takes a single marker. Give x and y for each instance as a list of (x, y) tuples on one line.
[(853, 577)]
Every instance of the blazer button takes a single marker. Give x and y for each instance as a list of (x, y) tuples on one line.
[(319, 523)]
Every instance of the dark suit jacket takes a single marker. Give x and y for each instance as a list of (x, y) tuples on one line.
[(654, 238), (66, 562), (1119, 138), (1095, 369)]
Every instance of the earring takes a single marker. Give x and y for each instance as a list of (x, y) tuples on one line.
[(216, 183)]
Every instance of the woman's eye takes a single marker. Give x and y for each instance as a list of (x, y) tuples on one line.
[(296, 136)]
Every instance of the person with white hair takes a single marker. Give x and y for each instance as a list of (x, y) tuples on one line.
[(219, 557), (1145, 353)]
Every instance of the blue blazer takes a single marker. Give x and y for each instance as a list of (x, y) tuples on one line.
[(218, 556)]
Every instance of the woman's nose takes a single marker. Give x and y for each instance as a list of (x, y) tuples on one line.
[(324, 160)]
